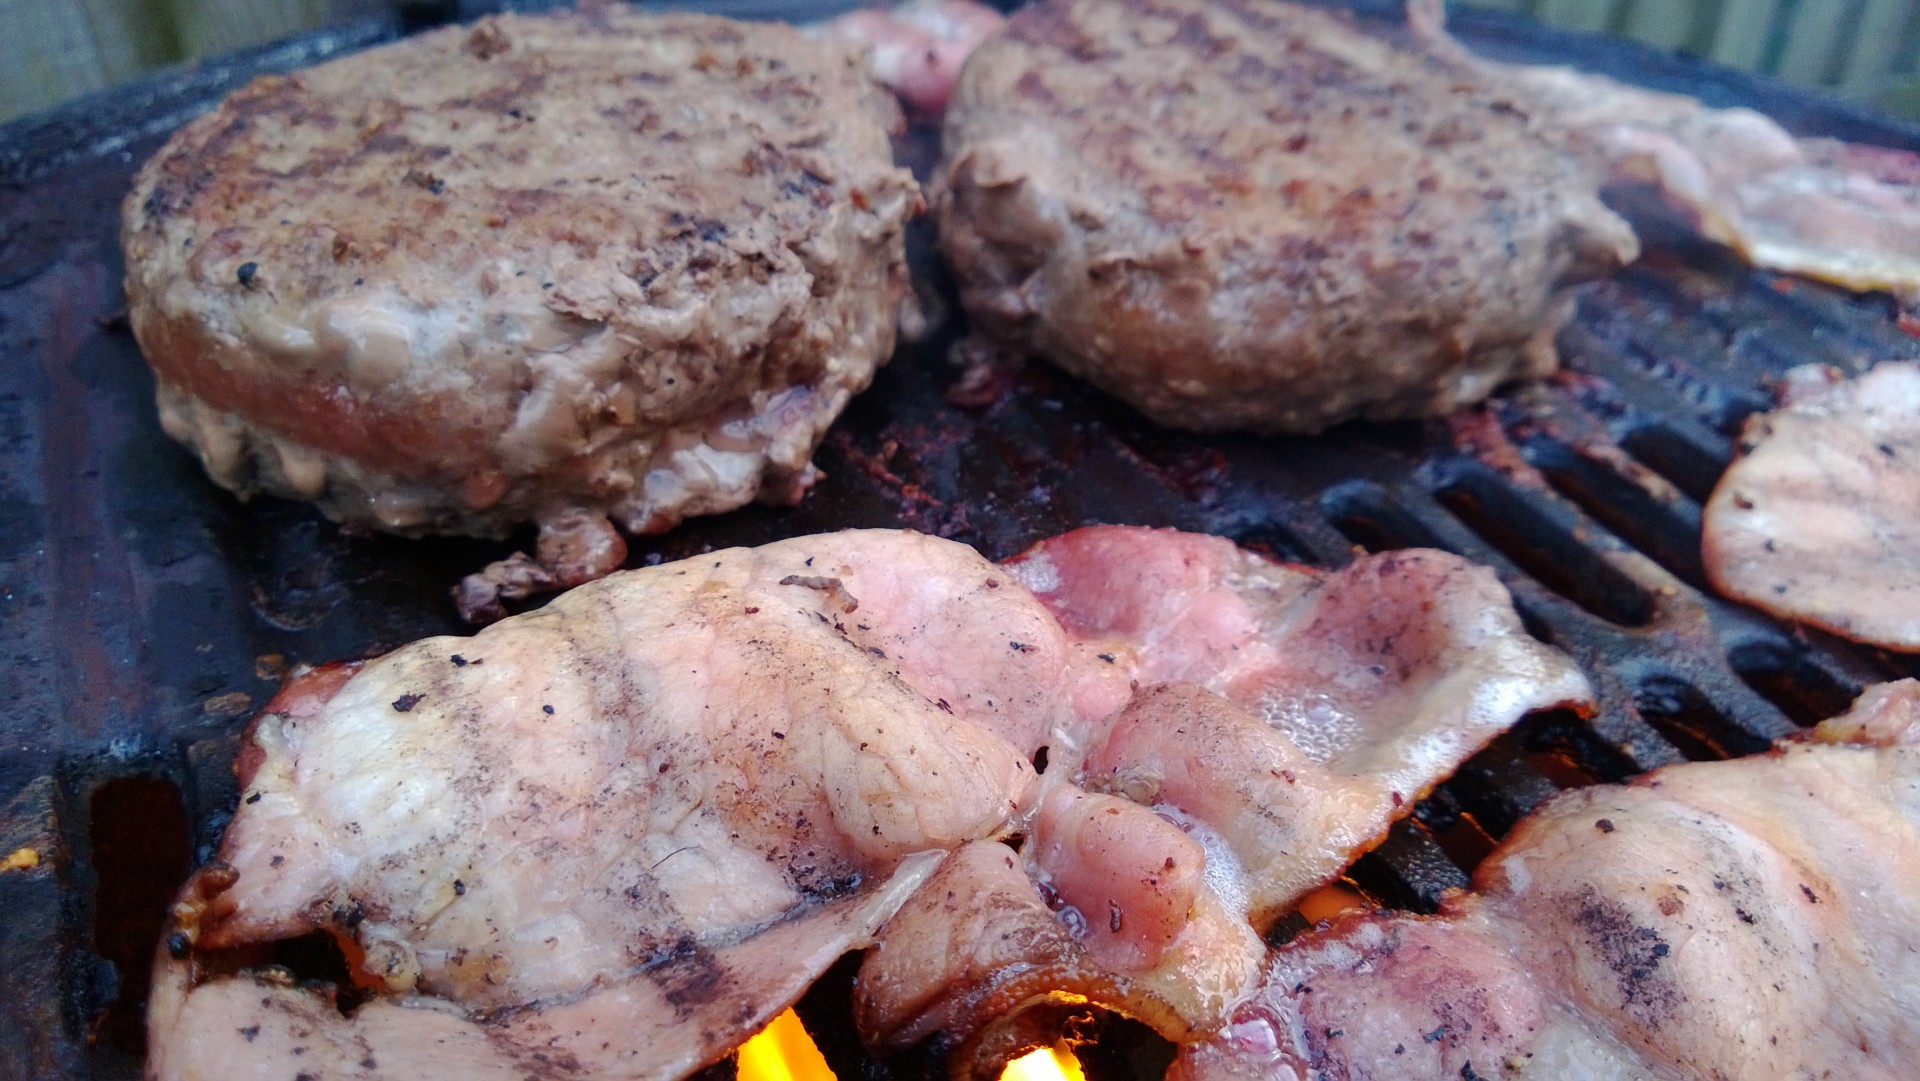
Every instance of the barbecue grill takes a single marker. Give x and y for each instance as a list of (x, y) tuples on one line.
[(146, 614)]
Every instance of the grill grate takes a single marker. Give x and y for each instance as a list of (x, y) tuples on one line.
[(147, 613)]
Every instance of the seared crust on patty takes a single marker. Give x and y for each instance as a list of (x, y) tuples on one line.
[(597, 262), (1248, 214)]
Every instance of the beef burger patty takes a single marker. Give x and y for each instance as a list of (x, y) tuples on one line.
[(550, 268), (1243, 214)]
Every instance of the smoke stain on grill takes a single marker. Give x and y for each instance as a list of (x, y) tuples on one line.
[(1795, 680), (1668, 532), (137, 831), (1369, 517), (1690, 467), (1549, 552), (1686, 717)]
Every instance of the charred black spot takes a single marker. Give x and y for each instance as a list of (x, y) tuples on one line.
[(458, 661), (1039, 759), (246, 273), (689, 975), (406, 702), (433, 184), (1632, 952), (1604, 825)]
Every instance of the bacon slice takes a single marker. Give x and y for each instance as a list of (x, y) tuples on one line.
[(614, 836), (1371, 683), (919, 46), (651, 812), (1819, 521), (1742, 920), (677, 1012), (1845, 214), (1811, 207)]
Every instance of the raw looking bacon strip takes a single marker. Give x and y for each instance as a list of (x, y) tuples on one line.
[(618, 834), (1743, 920), (1285, 718), (918, 46), (1827, 210), (1818, 521)]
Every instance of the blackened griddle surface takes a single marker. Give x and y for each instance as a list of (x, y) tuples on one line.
[(145, 613)]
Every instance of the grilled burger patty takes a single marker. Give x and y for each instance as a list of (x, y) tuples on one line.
[(545, 268), (1248, 214)]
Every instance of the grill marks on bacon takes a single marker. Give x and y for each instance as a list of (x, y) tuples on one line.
[(1752, 919), (645, 816), (1819, 521), (1371, 684), (623, 831)]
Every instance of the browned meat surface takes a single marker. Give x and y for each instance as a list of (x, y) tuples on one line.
[(1819, 520), (553, 269), (615, 835), (1733, 921), (1284, 718), (1254, 215)]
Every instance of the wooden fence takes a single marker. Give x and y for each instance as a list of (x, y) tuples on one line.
[(1861, 49)]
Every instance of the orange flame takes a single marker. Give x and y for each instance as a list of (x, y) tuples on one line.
[(1055, 1063), (1328, 902), (783, 1052)]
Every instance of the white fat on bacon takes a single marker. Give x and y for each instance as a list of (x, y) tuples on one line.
[(628, 828), (919, 46), (1285, 717), (1819, 520), (1823, 209), (618, 834), (1740, 921)]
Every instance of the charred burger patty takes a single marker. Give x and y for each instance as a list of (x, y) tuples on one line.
[(1247, 214), (550, 268)]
